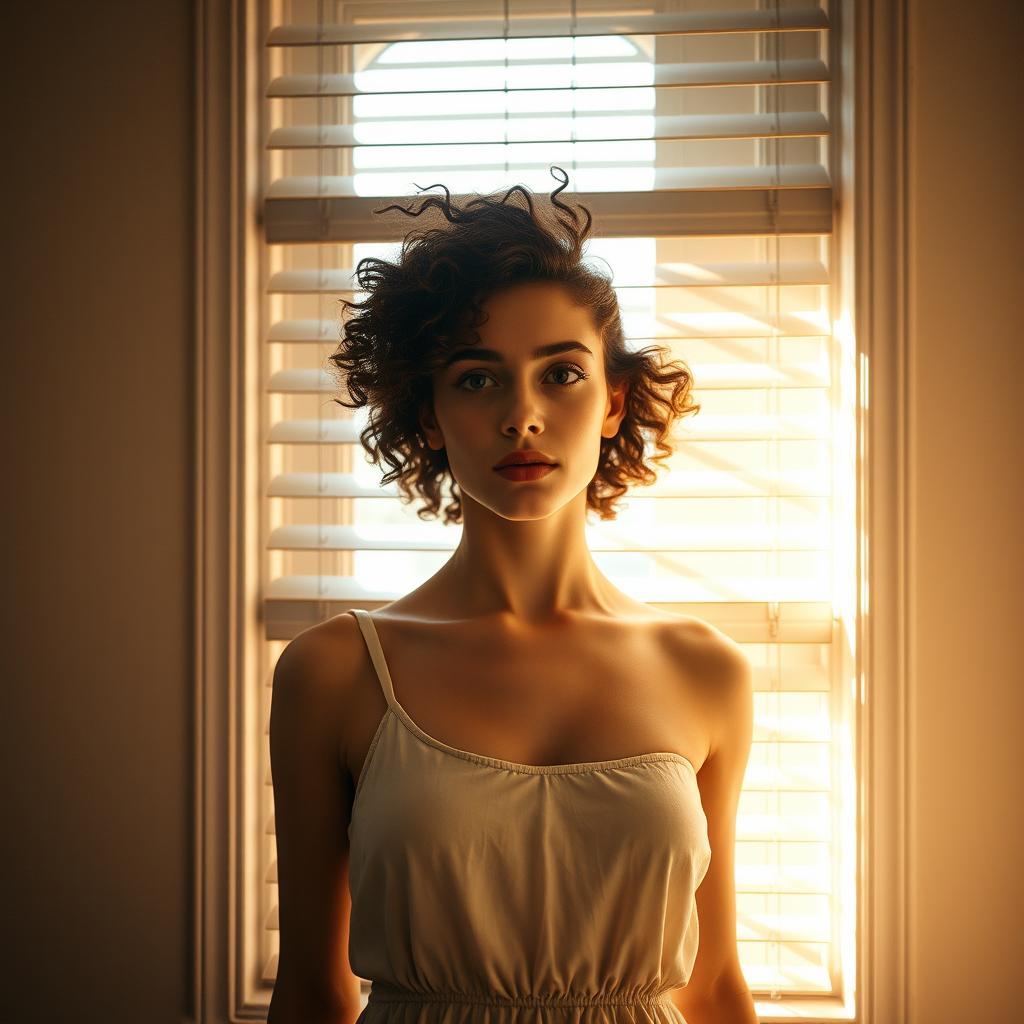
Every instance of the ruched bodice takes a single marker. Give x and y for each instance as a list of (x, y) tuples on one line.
[(489, 891)]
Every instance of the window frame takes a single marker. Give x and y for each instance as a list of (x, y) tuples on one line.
[(869, 172)]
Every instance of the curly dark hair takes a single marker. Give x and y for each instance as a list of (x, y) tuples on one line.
[(416, 312)]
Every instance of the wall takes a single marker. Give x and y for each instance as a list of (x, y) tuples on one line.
[(96, 754), (97, 403), (967, 583)]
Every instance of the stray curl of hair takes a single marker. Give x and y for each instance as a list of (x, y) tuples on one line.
[(416, 312)]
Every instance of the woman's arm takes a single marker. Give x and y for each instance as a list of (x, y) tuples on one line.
[(314, 982), (717, 992)]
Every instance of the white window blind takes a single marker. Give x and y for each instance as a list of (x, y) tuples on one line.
[(698, 134)]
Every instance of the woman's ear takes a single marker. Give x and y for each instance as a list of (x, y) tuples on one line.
[(615, 410), (431, 428)]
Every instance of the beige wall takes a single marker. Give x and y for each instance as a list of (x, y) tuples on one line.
[(97, 395), (967, 283)]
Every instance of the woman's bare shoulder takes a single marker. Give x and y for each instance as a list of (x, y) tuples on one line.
[(699, 639), (323, 659), (711, 663), (697, 632)]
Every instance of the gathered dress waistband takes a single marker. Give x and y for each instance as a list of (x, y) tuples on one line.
[(385, 992)]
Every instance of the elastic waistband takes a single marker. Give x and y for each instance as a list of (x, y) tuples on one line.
[(385, 992)]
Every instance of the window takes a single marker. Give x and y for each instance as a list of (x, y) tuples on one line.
[(700, 135)]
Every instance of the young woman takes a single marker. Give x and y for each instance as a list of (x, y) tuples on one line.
[(509, 795)]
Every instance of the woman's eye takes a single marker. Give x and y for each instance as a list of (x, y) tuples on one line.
[(470, 376), (580, 375), (565, 368)]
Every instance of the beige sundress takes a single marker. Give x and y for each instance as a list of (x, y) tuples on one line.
[(495, 892)]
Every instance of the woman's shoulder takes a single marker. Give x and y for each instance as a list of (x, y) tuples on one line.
[(324, 659), (698, 632), (704, 640), (710, 660)]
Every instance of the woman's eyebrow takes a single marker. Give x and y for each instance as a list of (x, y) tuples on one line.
[(489, 355)]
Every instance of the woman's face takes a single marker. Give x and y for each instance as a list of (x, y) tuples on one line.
[(502, 396)]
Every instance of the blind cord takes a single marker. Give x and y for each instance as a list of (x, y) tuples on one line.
[(776, 459), (324, 218)]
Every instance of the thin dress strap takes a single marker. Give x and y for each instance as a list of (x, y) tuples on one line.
[(369, 631)]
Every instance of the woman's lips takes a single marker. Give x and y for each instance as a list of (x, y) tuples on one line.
[(526, 471)]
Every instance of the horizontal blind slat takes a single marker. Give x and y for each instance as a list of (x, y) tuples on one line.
[(343, 280), (798, 19), (691, 74), (494, 132), (694, 212), (665, 179)]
